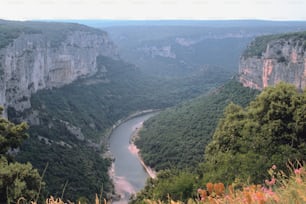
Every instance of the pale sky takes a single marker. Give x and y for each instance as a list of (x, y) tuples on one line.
[(153, 9)]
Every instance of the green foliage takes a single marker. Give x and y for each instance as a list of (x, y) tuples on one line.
[(180, 187), (11, 135), (271, 130), (94, 104), (259, 45), (177, 137), (10, 30), (54, 32), (281, 59), (16, 179), (174, 184), (75, 171)]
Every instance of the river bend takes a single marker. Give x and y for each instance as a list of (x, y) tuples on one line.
[(128, 173)]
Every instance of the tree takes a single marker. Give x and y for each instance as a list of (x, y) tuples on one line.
[(171, 183), (247, 141), (16, 180), (11, 135)]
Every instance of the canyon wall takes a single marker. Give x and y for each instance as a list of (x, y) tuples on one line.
[(271, 59), (43, 60)]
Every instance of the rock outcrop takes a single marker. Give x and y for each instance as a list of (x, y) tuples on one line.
[(163, 51), (271, 59), (44, 59)]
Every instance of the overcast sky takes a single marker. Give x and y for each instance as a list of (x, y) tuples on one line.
[(153, 9)]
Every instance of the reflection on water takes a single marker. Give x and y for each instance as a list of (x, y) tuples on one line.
[(129, 174)]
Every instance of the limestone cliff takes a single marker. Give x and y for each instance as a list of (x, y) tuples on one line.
[(49, 55), (271, 59)]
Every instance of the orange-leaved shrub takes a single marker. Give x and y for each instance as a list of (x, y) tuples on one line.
[(279, 189)]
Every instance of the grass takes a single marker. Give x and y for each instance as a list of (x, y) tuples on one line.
[(52, 200), (279, 189)]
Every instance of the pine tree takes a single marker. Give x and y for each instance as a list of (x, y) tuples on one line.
[(16, 180), (247, 141)]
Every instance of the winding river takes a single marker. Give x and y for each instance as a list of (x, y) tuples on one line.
[(128, 173)]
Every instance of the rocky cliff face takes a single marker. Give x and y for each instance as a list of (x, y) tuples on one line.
[(35, 61), (271, 59)]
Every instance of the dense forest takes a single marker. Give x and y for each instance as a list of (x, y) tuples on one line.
[(70, 125), (269, 131), (176, 138), (83, 113), (248, 141)]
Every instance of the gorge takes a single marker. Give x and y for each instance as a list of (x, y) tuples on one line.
[(243, 126), (71, 84)]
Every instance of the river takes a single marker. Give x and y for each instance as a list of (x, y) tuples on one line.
[(128, 173)]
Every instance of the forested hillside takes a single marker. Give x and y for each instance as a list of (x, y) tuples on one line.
[(85, 87), (176, 48), (176, 138), (259, 144), (72, 121), (248, 141)]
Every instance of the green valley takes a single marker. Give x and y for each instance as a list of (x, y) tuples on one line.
[(75, 120), (268, 133), (72, 84), (177, 137)]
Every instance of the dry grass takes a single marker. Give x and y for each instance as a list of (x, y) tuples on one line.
[(53, 200), (279, 189)]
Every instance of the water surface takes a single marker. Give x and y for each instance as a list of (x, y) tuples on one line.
[(129, 174)]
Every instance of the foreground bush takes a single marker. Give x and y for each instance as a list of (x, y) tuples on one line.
[(280, 189), (247, 141), (16, 179)]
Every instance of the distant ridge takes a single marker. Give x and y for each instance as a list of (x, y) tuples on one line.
[(196, 23)]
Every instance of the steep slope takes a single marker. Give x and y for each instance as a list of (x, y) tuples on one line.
[(36, 56), (68, 83), (169, 48), (265, 139), (75, 119), (176, 138), (274, 58)]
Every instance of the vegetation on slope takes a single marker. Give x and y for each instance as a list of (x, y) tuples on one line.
[(191, 44), (270, 131), (94, 105), (258, 46), (177, 137), (55, 32), (281, 188), (16, 179), (190, 47)]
